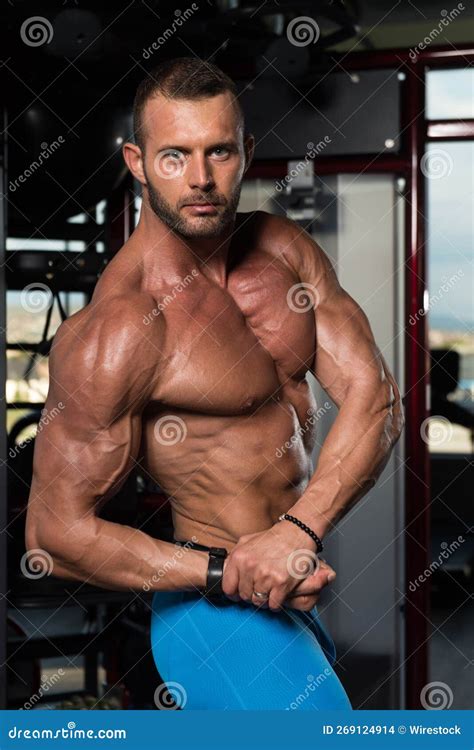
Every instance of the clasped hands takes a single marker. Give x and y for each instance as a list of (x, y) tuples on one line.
[(279, 563)]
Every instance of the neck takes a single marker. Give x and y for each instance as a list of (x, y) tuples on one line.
[(165, 249)]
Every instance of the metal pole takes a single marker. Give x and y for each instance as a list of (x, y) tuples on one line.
[(3, 419)]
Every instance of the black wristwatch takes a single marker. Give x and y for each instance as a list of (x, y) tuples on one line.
[(215, 571)]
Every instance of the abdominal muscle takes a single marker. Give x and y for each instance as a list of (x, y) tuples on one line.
[(227, 476)]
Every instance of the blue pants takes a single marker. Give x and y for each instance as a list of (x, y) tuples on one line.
[(233, 655)]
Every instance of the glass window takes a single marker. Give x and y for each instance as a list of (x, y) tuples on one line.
[(448, 168), (27, 376), (450, 94)]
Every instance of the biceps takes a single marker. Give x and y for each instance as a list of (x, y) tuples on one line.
[(346, 352), (77, 467)]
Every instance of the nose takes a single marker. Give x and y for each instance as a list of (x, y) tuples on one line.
[(199, 173)]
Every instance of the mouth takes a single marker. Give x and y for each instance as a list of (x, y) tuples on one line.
[(202, 203), (202, 208)]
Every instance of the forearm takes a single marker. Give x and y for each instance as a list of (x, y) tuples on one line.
[(118, 557), (353, 456)]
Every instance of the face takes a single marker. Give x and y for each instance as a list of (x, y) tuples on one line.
[(195, 158)]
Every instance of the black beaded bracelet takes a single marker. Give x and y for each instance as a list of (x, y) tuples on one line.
[(315, 537)]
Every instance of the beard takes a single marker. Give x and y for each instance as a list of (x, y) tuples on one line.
[(205, 227)]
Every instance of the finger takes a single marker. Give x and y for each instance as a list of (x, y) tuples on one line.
[(246, 588), (312, 585), (304, 603), (300, 597), (277, 597), (240, 580), (320, 578), (259, 601), (260, 586), (230, 580)]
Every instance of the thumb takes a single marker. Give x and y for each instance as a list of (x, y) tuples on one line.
[(323, 575)]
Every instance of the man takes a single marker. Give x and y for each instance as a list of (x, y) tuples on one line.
[(191, 359)]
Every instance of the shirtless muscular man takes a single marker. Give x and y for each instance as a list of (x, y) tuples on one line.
[(191, 360)]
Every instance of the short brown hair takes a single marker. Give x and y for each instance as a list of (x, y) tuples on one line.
[(181, 78)]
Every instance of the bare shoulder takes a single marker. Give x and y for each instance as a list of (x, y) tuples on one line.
[(109, 350), (285, 239)]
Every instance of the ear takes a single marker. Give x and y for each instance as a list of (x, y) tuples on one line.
[(249, 147), (133, 157)]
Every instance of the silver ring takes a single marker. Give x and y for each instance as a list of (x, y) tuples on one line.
[(261, 594)]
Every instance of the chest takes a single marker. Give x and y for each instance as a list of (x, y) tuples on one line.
[(230, 350)]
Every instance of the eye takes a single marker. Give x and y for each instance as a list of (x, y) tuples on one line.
[(223, 150), (173, 154)]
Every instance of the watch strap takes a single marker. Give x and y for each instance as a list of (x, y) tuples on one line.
[(215, 571)]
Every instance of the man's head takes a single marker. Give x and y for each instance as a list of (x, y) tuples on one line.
[(190, 146)]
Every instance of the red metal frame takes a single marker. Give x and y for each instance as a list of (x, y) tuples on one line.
[(415, 133), (120, 214), (417, 482)]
